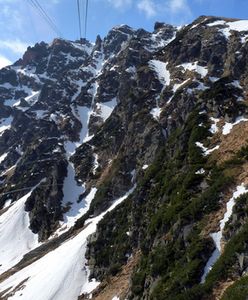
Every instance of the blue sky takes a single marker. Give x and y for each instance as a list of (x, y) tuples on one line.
[(21, 25)]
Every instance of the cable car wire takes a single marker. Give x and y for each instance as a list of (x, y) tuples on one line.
[(27, 188), (79, 20), (56, 29), (86, 18), (45, 16)]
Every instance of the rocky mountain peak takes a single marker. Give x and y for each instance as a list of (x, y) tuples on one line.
[(33, 54), (115, 38), (98, 43)]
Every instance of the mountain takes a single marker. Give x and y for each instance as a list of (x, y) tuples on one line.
[(123, 166)]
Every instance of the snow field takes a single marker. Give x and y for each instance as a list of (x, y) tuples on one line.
[(16, 239), (59, 275)]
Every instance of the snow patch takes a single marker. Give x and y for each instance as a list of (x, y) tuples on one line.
[(3, 156), (200, 171), (158, 42), (33, 98), (216, 23), (217, 236), (54, 118), (96, 163), (205, 150), (236, 83), (229, 126), (10, 102), (203, 71), (201, 87), (7, 203), (18, 105), (40, 113), (84, 117), (82, 113), (155, 112), (8, 170), (226, 32), (214, 128), (131, 70), (161, 69), (194, 26), (244, 39), (77, 209), (5, 124), (96, 68), (105, 109), (178, 86), (71, 190), (240, 26), (213, 79)]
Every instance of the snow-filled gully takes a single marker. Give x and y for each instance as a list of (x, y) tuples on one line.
[(217, 236), (72, 190), (163, 74), (61, 274)]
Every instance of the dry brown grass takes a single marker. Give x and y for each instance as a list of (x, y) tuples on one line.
[(219, 290), (117, 285), (230, 144)]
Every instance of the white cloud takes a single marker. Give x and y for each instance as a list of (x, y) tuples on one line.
[(177, 6), (4, 61), (174, 8), (171, 9), (8, 12), (120, 4), (148, 7), (16, 46)]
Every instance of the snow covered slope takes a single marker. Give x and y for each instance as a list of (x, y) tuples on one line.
[(16, 238), (61, 274)]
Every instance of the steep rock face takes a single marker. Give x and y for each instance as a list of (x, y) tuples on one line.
[(40, 119), (181, 190), (130, 147)]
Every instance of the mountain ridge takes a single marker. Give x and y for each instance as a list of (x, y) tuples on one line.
[(116, 154)]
